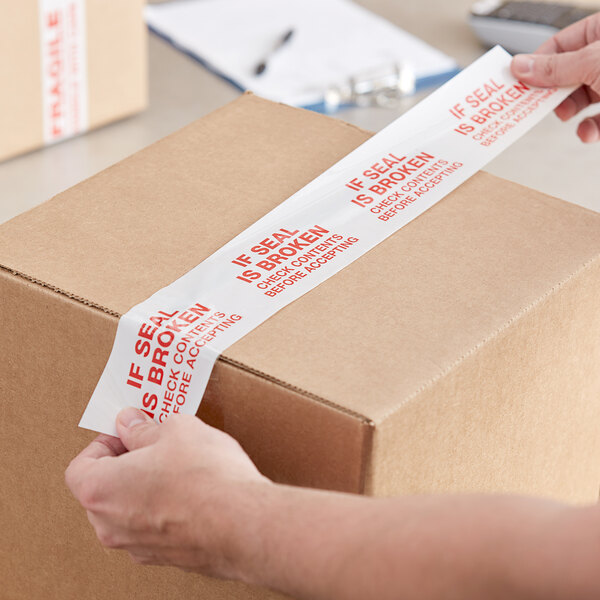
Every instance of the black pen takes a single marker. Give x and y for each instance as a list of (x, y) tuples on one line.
[(262, 65)]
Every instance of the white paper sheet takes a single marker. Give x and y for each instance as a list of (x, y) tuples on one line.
[(332, 40)]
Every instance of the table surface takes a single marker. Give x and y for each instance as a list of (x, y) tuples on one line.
[(550, 158)]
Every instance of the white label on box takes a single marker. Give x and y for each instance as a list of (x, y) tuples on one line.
[(64, 68), (166, 346)]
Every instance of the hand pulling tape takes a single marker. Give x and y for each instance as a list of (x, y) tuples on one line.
[(64, 68), (166, 346)]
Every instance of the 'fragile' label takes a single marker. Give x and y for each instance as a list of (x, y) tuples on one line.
[(64, 68), (166, 346)]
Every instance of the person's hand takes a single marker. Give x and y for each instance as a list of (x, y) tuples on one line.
[(571, 57), (185, 494), (172, 494)]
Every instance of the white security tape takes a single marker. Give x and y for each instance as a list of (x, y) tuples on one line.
[(166, 346), (64, 68)]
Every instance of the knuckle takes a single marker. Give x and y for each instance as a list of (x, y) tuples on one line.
[(70, 476), (104, 442), (88, 494), (591, 61), (593, 28), (180, 421), (548, 70), (107, 538), (589, 53), (233, 443)]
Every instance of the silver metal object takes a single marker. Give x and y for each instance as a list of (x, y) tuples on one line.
[(385, 86)]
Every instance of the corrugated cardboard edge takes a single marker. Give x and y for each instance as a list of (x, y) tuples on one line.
[(60, 291)]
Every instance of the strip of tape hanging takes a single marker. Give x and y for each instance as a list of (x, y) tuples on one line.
[(64, 68), (166, 346)]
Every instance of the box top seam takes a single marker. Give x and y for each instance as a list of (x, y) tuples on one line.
[(60, 291), (299, 390)]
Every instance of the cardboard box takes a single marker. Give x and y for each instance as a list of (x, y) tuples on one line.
[(460, 355), (113, 54)]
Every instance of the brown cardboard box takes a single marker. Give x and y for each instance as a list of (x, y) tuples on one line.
[(459, 355), (116, 67)]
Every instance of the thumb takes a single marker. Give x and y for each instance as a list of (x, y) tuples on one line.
[(136, 429), (565, 68)]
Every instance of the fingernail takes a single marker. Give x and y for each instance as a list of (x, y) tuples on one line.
[(522, 64), (130, 417)]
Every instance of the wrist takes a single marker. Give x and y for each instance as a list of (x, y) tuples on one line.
[(297, 539), (242, 515), (264, 536)]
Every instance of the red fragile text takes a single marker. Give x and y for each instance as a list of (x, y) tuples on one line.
[(55, 67)]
